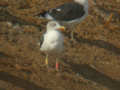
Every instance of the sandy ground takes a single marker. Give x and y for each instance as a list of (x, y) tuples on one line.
[(92, 62)]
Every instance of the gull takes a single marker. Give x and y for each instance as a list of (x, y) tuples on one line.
[(69, 14), (52, 41)]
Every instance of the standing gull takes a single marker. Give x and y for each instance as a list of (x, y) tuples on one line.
[(70, 14), (52, 41)]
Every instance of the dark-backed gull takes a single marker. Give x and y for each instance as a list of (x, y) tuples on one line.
[(70, 13)]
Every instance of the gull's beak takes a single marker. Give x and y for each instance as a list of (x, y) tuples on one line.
[(62, 28)]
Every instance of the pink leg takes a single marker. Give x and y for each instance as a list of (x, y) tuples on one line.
[(57, 65)]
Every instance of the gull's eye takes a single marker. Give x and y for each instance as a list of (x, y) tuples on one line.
[(53, 24)]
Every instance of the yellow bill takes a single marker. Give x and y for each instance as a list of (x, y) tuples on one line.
[(62, 28)]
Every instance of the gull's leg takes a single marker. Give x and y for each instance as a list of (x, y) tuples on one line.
[(46, 60), (57, 64), (72, 32)]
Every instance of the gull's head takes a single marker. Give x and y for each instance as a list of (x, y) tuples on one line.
[(54, 25)]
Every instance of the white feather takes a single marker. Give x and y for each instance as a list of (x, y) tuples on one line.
[(53, 40)]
